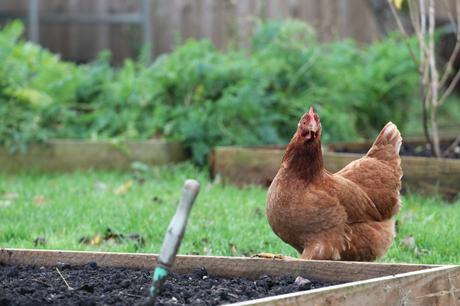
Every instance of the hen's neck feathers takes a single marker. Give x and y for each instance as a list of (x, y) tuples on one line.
[(305, 160)]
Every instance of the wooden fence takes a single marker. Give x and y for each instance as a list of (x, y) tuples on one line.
[(222, 21)]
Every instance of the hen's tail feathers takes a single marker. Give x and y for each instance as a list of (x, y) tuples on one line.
[(387, 144)]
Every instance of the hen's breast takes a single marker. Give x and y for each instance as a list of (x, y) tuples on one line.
[(297, 209)]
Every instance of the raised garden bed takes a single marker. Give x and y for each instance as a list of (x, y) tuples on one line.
[(259, 166), (415, 146), (361, 283), (67, 155)]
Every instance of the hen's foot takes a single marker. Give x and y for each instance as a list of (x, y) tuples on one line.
[(271, 256)]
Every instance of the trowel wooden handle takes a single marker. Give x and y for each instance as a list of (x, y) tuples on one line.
[(176, 228)]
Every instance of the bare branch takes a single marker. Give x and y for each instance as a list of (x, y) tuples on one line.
[(403, 31), (449, 14), (457, 10), (426, 71), (415, 20), (432, 55), (433, 79), (414, 15), (449, 89), (450, 63), (452, 147), (422, 15), (455, 52), (425, 116), (420, 33)]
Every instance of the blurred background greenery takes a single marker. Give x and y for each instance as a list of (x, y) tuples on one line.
[(203, 96)]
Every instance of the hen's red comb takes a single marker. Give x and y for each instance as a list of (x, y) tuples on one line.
[(312, 111)]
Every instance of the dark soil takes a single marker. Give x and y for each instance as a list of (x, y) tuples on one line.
[(410, 150), (94, 285)]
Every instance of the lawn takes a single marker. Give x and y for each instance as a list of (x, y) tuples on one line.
[(73, 211)]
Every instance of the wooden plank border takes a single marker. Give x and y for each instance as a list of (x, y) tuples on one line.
[(369, 283), (243, 166), (365, 145), (68, 155), (436, 286), (216, 265)]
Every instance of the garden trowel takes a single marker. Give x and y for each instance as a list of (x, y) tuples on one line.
[(173, 238)]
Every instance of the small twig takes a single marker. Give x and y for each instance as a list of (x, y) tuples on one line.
[(449, 65), (425, 117), (419, 29), (134, 295), (454, 54), (452, 147), (403, 31), (434, 79), (450, 88), (232, 295), (67, 284), (41, 282), (422, 16), (449, 14)]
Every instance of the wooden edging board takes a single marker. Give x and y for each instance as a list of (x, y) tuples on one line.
[(68, 155), (368, 283), (358, 146), (259, 166)]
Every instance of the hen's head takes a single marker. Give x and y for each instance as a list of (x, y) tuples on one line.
[(309, 127)]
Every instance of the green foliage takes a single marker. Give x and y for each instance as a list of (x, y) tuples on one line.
[(204, 97), (33, 85), (390, 85)]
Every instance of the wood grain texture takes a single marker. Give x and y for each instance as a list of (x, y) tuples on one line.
[(368, 283), (217, 265), (67, 155), (224, 22), (437, 286), (260, 165), (365, 145)]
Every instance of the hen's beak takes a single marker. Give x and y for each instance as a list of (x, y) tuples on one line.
[(312, 127), (311, 131)]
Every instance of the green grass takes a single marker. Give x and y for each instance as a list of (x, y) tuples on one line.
[(226, 220)]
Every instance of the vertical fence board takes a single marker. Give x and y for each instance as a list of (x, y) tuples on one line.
[(222, 21)]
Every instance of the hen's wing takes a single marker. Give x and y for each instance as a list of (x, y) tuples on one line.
[(379, 172)]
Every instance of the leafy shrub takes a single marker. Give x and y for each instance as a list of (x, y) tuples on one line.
[(33, 83), (205, 97)]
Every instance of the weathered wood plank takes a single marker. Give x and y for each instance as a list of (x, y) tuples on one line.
[(259, 166), (66, 155), (368, 283), (365, 145), (217, 265), (222, 22), (438, 286), (211, 19)]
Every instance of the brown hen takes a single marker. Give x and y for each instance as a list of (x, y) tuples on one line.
[(348, 215)]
